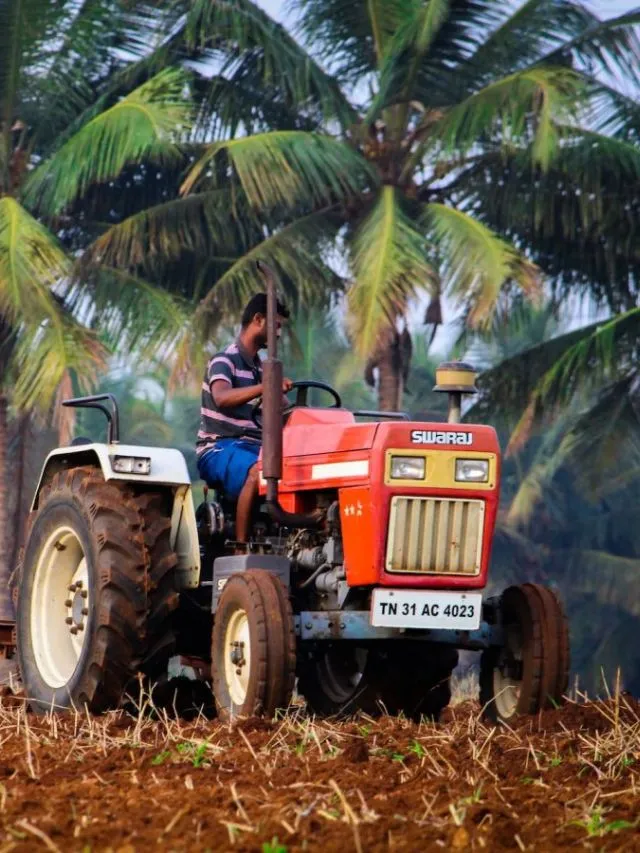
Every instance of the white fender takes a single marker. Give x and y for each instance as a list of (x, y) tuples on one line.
[(168, 469)]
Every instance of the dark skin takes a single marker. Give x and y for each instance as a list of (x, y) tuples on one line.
[(254, 338)]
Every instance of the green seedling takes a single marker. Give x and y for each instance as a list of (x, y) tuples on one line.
[(475, 798), (556, 761), (160, 758), (197, 753), (273, 846), (364, 730), (417, 748), (596, 825)]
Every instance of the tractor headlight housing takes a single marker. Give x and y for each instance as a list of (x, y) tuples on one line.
[(472, 470), (131, 464), (408, 467)]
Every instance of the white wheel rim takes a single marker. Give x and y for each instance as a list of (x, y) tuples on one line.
[(237, 657), (505, 689), (60, 605)]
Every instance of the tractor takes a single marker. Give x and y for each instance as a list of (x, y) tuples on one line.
[(363, 577)]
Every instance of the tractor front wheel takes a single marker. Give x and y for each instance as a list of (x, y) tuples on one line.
[(530, 671), (253, 655)]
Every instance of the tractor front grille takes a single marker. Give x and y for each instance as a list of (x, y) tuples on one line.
[(436, 536)]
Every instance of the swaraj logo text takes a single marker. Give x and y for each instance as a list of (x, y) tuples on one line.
[(428, 436)]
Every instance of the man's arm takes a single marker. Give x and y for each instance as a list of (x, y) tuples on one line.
[(225, 396)]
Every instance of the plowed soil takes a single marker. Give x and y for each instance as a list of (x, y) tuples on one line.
[(567, 779)]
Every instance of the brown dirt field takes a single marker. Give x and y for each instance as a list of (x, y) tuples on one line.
[(567, 779)]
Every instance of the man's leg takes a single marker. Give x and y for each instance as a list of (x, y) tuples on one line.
[(246, 499)]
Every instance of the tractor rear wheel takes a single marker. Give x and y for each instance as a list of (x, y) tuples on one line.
[(339, 679), (95, 592), (253, 655), (342, 678), (420, 679), (530, 671)]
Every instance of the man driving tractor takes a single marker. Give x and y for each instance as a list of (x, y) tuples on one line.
[(227, 447)]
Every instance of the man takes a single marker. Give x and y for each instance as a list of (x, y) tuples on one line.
[(227, 457)]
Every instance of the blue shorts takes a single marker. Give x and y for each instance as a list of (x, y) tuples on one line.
[(226, 466)]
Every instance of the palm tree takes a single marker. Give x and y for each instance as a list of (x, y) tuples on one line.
[(73, 116), (396, 157), (571, 473)]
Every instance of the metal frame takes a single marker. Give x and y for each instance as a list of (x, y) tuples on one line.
[(355, 625)]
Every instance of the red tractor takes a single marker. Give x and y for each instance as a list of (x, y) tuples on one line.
[(364, 575)]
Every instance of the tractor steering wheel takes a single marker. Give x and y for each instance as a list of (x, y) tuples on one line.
[(300, 401)]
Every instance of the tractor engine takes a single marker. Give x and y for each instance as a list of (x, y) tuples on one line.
[(318, 560)]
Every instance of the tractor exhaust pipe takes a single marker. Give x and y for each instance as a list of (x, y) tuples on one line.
[(272, 426), (455, 378)]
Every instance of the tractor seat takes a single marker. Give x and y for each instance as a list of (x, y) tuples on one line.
[(81, 439)]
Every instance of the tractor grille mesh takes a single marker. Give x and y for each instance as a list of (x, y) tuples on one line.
[(435, 536)]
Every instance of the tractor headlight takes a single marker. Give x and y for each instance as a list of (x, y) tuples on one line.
[(131, 464), (472, 470), (407, 467)]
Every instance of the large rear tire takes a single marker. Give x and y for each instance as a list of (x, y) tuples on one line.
[(95, 592), (253, 655), (530, 671)]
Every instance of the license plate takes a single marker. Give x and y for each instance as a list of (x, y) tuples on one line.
[(399, 608)]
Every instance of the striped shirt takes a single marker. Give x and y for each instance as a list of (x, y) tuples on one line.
[(235, 366)]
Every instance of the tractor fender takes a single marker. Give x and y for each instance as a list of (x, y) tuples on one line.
[(168, 471), (225, 567)]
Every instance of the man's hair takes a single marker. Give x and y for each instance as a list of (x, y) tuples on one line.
[(258, 305)]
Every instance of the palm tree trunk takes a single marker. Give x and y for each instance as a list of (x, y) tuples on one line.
[(390, 381), (6, 606), (18, 478), (392, 359)]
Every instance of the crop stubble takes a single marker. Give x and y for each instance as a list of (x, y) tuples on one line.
[(566, 779)]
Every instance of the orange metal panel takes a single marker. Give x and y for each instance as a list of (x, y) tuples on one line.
[(358, 535)]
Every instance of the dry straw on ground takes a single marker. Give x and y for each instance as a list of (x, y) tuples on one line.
[(566, 778)]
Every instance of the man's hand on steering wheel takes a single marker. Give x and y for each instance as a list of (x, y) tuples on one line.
[(301, 398)]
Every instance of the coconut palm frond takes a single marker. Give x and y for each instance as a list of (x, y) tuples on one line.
[(132, 316), (503, 109), (523, 34), (206, 224), (147, 123), (579, 220), (611, 578), (44, 355), (602, 354), (477, 262), (31, 264), (77, 56), (390, 266), (610, 45), (614, 112), (240, 27), (404, 53), (294, 251), (353, 37), (289, 167)]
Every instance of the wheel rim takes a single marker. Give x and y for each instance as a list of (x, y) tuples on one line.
[(506, 688), (340, 673), (237, 657), (60, 607)]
